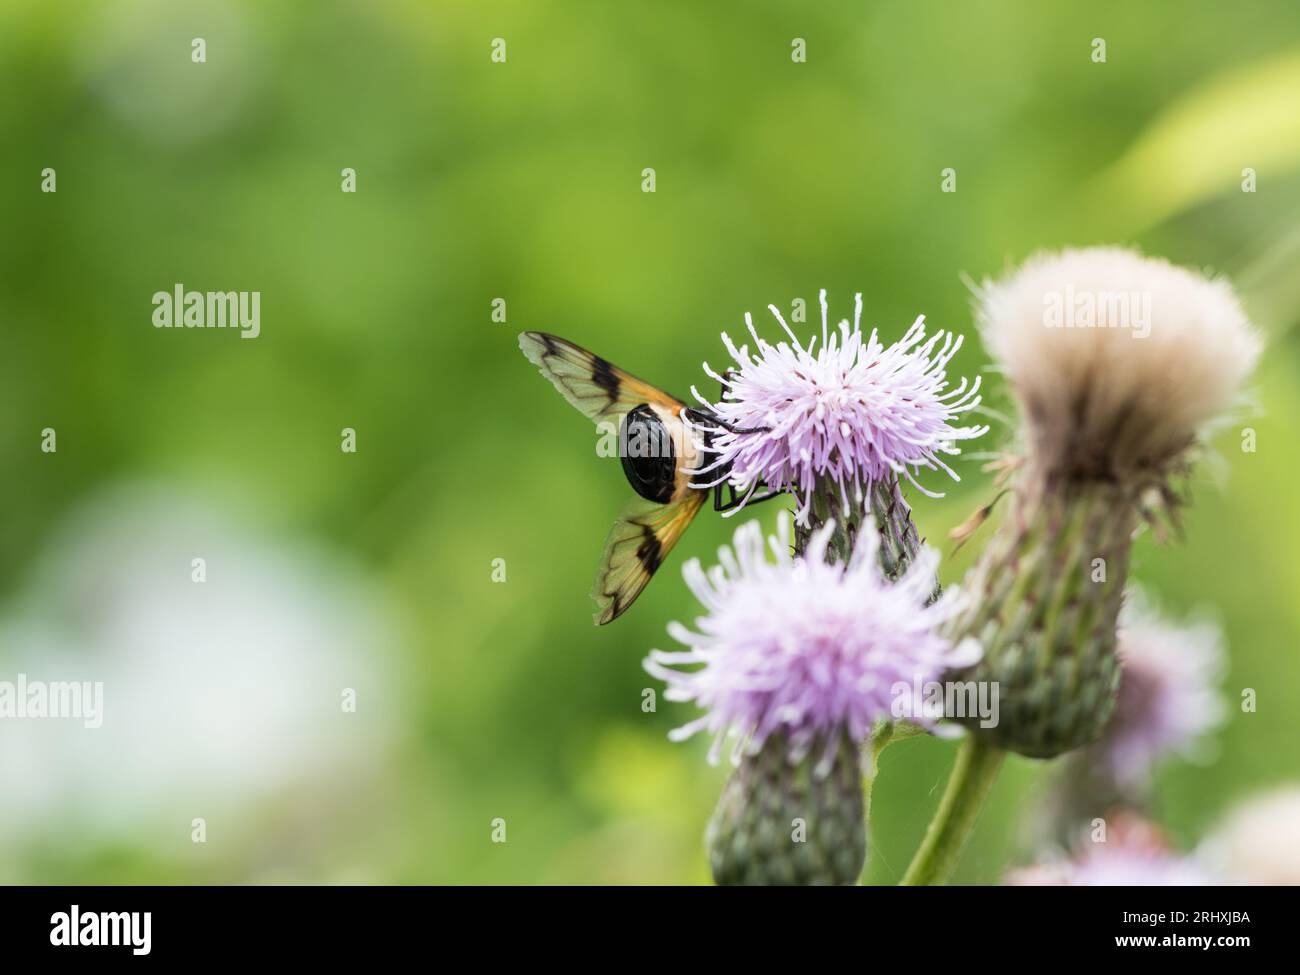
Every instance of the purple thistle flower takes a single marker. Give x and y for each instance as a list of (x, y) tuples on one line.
[(1167, 696), (805, 646), (853, 412)]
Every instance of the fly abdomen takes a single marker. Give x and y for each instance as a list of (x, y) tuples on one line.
[(649, 458)]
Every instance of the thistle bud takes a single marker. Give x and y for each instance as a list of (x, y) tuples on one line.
[(1168, 702), (782, 822)]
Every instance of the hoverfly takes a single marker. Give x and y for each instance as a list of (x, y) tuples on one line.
[(678, 436)]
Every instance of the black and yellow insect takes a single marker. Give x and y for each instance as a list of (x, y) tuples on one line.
[(660, 439)]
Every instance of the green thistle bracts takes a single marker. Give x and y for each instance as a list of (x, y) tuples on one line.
[(1044, 610), (898, 539), (886, 507), (828, 505), (780, 822)]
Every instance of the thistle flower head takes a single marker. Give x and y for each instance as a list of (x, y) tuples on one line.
[(1259, 842), (1167, 696), (851, 412), (1134, 854), (1116, 359), (804, 646)]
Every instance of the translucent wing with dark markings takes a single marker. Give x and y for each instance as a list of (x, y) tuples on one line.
[(599, 389), (637, 545), (645, 531)]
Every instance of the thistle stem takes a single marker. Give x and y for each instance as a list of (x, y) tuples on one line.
[(972, 777)]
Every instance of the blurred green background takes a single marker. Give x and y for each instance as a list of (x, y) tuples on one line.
[(522, 180)]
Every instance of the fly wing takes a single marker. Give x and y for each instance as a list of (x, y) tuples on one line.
[(637, 545), (601, 390), (645, 531)]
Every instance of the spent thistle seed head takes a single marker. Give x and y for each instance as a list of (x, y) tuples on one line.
[(1116, 360)]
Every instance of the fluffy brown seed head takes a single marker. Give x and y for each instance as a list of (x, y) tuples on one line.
[(1116, 360)]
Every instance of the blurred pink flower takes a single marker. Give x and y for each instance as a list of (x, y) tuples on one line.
[(1168, 697), (1133, 854)]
